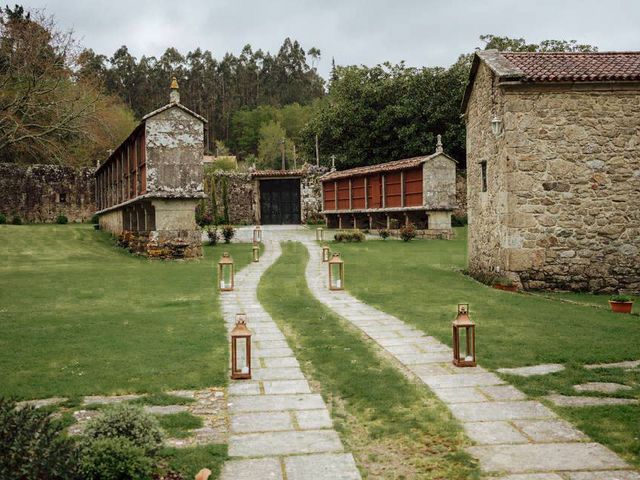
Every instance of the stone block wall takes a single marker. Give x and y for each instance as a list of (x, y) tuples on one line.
[(562, 209), (39, 193)]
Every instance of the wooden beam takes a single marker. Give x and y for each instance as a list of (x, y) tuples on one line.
[(402, 200), (366, 192), (350, 195)]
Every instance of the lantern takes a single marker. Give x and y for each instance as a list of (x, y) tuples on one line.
[(325, 253), (464, 336), (496, 126), (225, 273), (336, 273), (319, 234), (241, 349), (257, 234), (256, 252)]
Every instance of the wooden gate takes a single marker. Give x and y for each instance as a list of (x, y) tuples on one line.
[(280, 201)]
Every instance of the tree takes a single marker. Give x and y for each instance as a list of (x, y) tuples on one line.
[(272, 138), (507, 44)]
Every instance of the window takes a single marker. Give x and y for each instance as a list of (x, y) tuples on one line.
[(483, 173), (62, 198)]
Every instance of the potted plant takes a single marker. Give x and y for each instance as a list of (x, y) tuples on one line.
[(504, 283), (621, 303)]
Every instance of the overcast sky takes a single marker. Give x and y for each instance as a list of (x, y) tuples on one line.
[(423, 33)]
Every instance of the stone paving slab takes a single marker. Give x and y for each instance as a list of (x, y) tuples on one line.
[(284, 443), (286, 373), (459, 395), (550, 431), (253, 469), (628, 365), (107, 400), (313, 419), (463, 380), (543, 457), (273, 353), (576, 401), (278, 387), (543, 369), (608, 475), (420, 358), (602, 387), (42, 402), (503, 392), (275, 362), (244, 388), (165, 409), (493, 433), (261, 422), (494, 411), (336, 466), (531, 476)]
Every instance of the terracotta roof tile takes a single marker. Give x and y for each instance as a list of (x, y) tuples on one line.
[(575, 67), (277, 173), (382, 167)]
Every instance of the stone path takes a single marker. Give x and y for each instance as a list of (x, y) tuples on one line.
[(279, 429), (514, 437)]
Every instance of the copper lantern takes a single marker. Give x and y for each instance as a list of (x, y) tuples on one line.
[(319, 234), (325, 253), (336, 272), (464, 338), (257, 234), (241, 349), (256, 252), (225, 273)]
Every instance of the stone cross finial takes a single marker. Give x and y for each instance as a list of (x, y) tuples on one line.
[(439, 144), (333, 163), (174, 96)]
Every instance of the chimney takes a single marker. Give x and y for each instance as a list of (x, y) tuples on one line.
[(174, 96), (439, 144)]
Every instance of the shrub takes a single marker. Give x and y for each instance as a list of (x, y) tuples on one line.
[(129, 422), (213, 235), (228, 232), (95, 219), (408, 232), (203, 216), (621, 298), (459, 220), (16, 220), (3, 219), (384, 233), (503, 281), (353, 236), (32, 445), (62, 219), (115, 458)]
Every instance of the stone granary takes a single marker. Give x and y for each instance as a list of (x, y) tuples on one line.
[(420, 190), (553, 169), (148, 188)]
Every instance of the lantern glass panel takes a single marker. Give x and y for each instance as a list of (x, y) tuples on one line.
[(242, 366), (225, 277), (336, 275)]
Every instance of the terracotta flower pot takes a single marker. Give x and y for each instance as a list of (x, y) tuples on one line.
[(621, 307), (506, 288)]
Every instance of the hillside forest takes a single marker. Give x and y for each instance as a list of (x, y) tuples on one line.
[(66, 104)]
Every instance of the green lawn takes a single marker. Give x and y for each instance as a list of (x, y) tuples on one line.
[(79, 316), (396, 429), (422, 281)]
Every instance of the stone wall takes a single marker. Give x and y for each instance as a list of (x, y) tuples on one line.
[(461, 194), (562, 211), (237, 194), (39, 193)]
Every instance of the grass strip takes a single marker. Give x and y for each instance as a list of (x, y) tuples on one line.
[(394, 427)]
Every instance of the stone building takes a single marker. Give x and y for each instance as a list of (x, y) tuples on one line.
[(39, 193), (265, 196), (148, 188), (420, 190), (553, 169)]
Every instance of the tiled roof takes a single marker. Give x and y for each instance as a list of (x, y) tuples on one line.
[(576, 67), (277, 173), (547, 67), (382, 167)]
